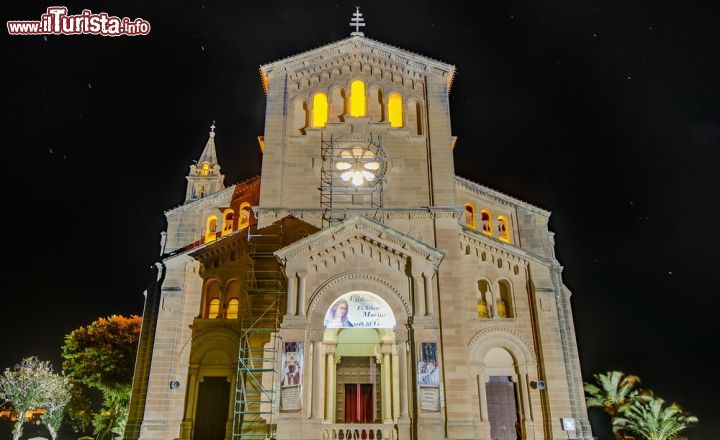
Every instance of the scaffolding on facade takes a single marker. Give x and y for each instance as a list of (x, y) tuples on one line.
[(255, 393), (352, 177)]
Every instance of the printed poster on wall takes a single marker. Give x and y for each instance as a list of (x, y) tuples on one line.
[(291, 379), (359, 309), (428, 377)]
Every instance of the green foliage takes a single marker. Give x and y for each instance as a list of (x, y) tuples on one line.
[(32, 385), (651, 418), (611, 391), (635, 410), (102, 356)]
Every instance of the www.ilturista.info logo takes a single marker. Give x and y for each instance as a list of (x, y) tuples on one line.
[(56, 22)]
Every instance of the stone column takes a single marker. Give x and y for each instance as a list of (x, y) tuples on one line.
[(429, 306), (291, 294), (387, 383), (301, 293), (317, 381), (402, 352), (190, 407), (330, 379), (418, 296)]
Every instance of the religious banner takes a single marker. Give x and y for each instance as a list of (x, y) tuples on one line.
[(291, 379), (428, 377), (359, 309)]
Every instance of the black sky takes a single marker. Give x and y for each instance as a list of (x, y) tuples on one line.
[(605, 113)]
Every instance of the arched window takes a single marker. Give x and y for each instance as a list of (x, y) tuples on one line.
[(211, 228), (338, 104), (228, 222), (202, 191), (233, 309), (376, 105), (470, 216), (320, 110), (486, 222), (244, 216), (213, 308), (358, 104), (414, 117), (205, 169), (504, 305), (395, 110), (483, 294), (503, 230)]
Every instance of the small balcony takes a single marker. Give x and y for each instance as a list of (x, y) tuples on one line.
[(360, 431)]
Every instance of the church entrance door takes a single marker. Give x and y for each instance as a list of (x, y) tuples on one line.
[(502, 409), (211, 414), (359, 403)]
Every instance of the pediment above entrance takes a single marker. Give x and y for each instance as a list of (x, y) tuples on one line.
[(361, 235)]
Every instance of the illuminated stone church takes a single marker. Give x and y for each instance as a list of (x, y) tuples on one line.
[(358, 288)]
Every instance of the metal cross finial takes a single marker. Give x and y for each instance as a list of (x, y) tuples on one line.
[(357, 21), (212, 127)]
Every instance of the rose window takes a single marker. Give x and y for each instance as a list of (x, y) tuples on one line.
[(357, 165)]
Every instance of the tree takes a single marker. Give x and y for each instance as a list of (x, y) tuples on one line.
[(651, 418), (611, 391), (102, 356), (32, 385)]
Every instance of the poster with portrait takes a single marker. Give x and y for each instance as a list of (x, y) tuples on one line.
[(291, 376), (359, 309), (428, 377)]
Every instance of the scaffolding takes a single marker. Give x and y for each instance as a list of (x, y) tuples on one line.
[(339, 192), (255, 394)]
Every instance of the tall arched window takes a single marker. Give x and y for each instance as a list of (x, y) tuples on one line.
[(320, 110), (483, 294), (233, 309), (358, 101), (503, 229), (486, 220), (470, 215), (205, 169), (301, 116), (395, 110), (414, 117), (228, 222), (504, 305), (213, 308), (244, 216), (211, 228)]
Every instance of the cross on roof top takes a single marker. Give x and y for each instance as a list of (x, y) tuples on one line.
[(357, 21)]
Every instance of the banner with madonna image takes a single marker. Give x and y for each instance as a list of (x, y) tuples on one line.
[(428, 377), (291, 378)]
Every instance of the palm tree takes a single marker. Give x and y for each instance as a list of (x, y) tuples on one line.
[(652, 419), (612, 391)]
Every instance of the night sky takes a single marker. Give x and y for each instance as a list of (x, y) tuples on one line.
[(605, 113)]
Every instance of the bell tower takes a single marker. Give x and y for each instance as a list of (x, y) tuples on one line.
[(204, 177)]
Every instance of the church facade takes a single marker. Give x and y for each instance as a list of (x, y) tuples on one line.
[(357, 288)]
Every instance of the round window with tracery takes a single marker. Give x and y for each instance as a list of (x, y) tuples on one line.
[(358, 165)]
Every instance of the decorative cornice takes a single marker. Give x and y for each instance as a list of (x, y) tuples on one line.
[(471, 236), (216, 199), (348, 213), (499, 197)]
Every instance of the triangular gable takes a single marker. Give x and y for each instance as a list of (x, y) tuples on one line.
[(404, 59), (369, 229)]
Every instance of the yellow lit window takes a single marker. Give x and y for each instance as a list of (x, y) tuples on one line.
[(205, 170), (503, 230), (320, 110), (211, 229), (228, 220), (470, 215), (486, 222), (504, 303), (395, 110), (233, 309), (244, 216), (213, 308), (358, 103)]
